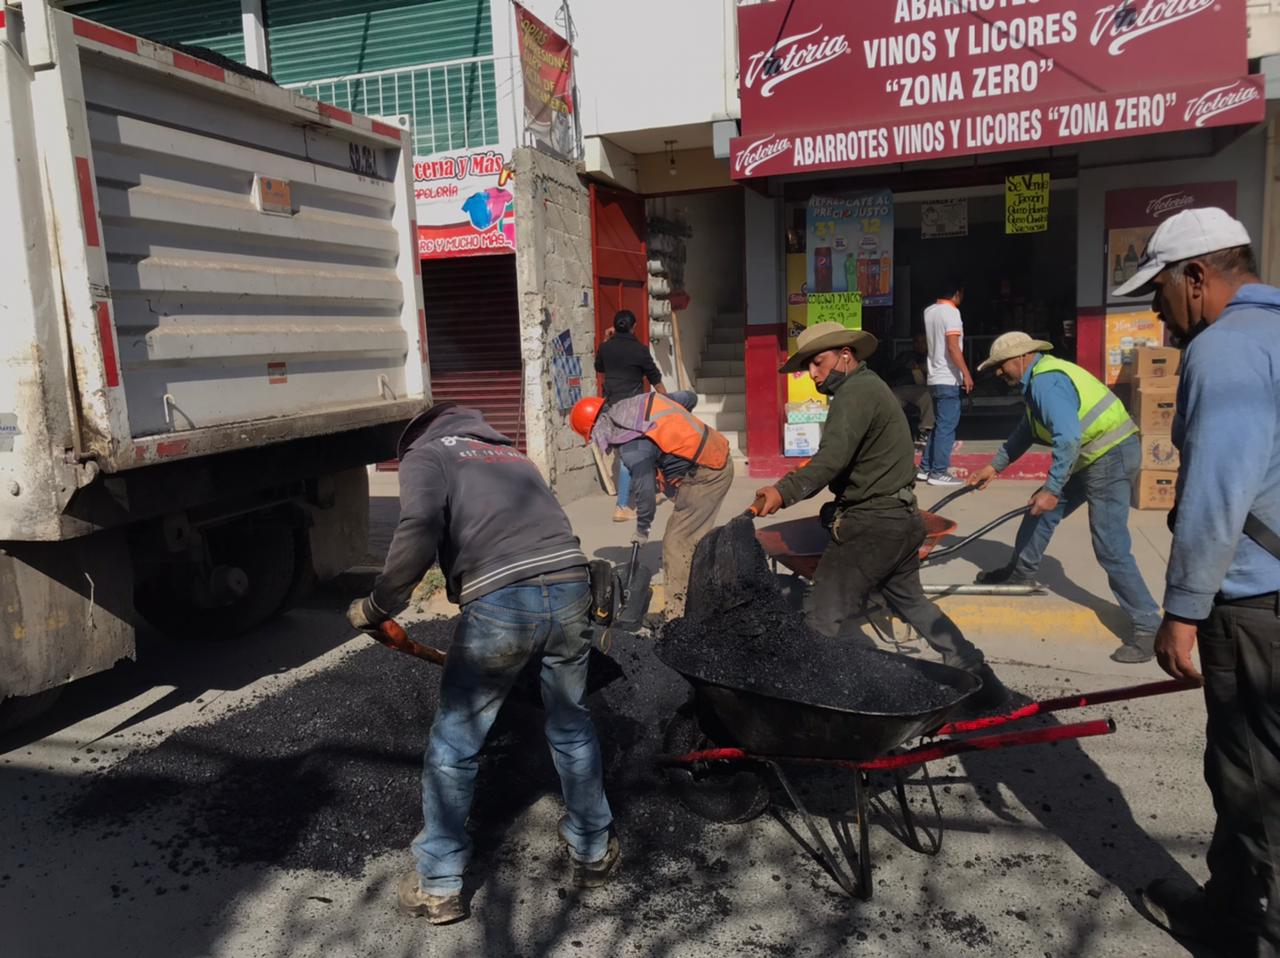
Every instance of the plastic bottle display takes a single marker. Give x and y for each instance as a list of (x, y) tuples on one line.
[(886, 273), (822, 269), (868, 266)]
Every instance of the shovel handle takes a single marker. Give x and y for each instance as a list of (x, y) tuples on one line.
[(756, 507), (391, 634)]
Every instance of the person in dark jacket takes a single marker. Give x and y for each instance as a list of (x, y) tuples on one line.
[(625, 363), (471, 501), (866, 459), (1222, 588)]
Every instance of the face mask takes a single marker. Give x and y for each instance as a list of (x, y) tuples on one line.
[(832, 382)]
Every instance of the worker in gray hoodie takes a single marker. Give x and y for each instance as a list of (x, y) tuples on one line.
[(1222, 588), (472, 501)]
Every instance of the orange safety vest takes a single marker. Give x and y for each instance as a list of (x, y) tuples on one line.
[(678, 432)]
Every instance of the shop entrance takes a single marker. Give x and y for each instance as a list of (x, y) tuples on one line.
[(473, 337), (1021, 282)]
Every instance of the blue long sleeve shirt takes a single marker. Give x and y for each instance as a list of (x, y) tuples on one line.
[(1226, 431), (1053, 401)]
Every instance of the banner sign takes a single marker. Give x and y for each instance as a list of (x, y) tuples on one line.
[(1026, 203), (546, 60), (1131, 216), (939, 78), (849, 248), (943, 219), (465, 204)]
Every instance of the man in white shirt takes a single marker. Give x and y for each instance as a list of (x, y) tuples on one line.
[(948, 374)]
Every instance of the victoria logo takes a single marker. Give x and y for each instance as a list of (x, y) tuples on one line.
[(761, 151), (791, 56), (1220, 99), (1130, 19), (1170, 203)]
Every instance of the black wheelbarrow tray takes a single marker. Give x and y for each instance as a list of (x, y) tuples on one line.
[(722, 745)]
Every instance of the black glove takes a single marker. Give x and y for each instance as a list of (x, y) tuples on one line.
[(365, 616)]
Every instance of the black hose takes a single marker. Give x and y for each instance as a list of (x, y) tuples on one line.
[(955, 546)]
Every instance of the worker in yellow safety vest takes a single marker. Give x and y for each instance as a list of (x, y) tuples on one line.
[(1095, 457)]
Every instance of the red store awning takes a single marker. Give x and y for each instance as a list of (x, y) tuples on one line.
[(909, 80)]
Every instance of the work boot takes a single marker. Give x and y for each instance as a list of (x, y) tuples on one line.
[(1005, 575), (1140, 648), (592, 874), (993, 693), (437, 909), (1181, 908), (623, 514)]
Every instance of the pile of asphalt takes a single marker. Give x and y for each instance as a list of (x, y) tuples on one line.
[(740, 631)]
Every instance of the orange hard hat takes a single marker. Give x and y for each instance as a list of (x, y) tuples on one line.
[(583, 417)]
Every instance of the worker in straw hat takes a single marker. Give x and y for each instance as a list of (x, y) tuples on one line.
[(867, 459), (1095, 457)]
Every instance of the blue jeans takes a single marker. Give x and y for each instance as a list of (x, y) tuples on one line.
[(624, 486), (640, 460), (495, 637), (1106, 485), (946, 416)]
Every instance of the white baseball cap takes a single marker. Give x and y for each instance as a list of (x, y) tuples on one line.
[(1182, 236)]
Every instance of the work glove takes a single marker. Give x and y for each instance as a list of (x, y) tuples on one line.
[(365, 616), (639, 538)]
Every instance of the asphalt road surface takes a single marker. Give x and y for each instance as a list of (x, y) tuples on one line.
[(256, 797)]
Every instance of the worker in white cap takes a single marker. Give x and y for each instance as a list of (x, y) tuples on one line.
[(1095, 458), (1222, 589)]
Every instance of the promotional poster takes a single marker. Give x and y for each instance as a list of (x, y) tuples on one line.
[(849, 249)]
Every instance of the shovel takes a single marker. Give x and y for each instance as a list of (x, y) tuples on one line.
[(601, 669)]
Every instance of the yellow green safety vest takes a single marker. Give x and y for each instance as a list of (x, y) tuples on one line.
[(1104, 423)]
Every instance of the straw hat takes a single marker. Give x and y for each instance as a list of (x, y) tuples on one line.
[(823, 336), (1011, 346)]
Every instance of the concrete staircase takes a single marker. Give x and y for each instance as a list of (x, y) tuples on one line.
[(721, 381)]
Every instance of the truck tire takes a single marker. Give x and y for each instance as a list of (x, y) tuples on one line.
[(265, 549), (18, 710)]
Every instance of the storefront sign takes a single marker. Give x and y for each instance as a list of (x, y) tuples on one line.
[(939, 78), (943, 219), (1026, 203), (849, 246), (465, 204), (546, 60), (1131, 216)]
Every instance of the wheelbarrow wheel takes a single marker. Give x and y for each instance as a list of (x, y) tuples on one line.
[(716, 791)]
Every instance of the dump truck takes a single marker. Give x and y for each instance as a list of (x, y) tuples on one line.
[(210, 324)]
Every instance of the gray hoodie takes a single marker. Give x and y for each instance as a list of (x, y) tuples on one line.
[(471, 500)]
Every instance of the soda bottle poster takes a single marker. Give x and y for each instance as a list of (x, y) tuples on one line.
[(850, 245)]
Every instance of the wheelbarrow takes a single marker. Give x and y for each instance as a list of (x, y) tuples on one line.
[(798, 544), (723, 747)]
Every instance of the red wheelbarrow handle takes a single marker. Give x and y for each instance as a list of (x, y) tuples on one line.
[(1078, 701), (914, 756)]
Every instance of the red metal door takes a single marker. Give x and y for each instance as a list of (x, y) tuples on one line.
[(619, 258)]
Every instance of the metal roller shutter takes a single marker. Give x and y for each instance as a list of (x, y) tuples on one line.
[(314, 39), (473, 337), (211, 23)]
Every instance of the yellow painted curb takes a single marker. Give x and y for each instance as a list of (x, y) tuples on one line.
[(1032, 617)]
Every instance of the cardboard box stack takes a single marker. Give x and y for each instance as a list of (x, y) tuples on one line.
[(1155, 390)]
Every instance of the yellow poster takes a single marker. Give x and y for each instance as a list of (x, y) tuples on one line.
[(842, 308), (1026, 203), (800, 387), (1125, 333)]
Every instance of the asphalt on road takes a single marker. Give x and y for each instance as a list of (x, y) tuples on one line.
[(256, 798), (271, 819)]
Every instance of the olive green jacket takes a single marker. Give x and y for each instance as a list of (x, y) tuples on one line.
[(866, 450)]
